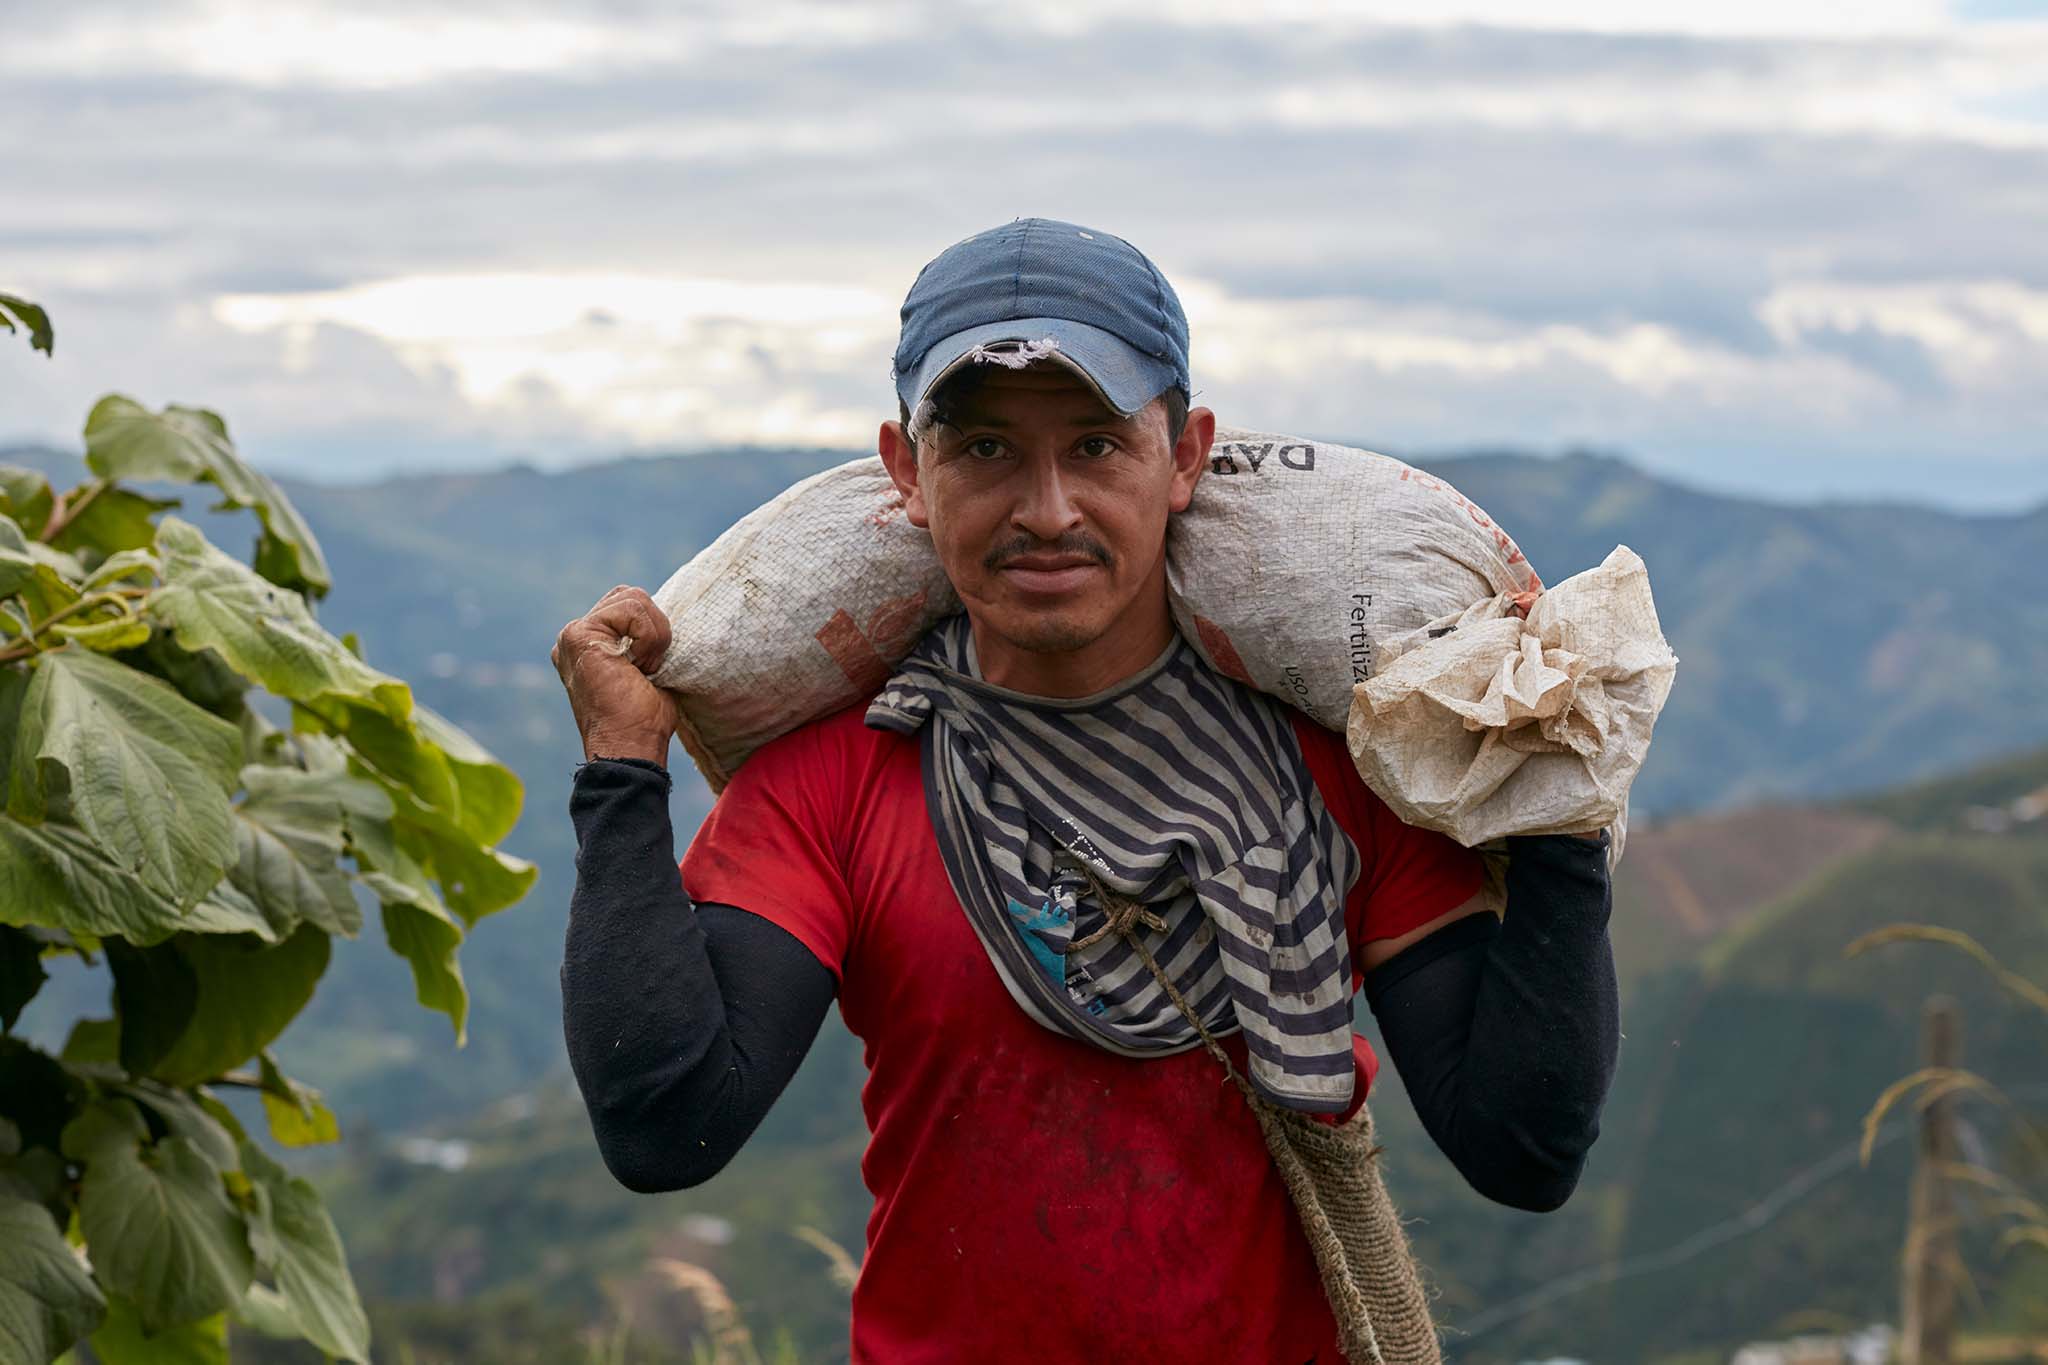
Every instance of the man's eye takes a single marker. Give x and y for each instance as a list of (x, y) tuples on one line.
[(1097, 446), (984, 448)]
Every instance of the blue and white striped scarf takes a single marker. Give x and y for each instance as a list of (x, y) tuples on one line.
[(1178, 788)]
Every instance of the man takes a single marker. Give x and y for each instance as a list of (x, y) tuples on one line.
[(1058, 1173)]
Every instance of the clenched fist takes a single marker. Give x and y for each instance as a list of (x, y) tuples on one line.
[(604, 657)]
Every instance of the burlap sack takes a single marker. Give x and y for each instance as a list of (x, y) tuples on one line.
[(1304, 569)]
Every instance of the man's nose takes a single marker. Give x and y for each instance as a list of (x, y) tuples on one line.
[(1045, 505)]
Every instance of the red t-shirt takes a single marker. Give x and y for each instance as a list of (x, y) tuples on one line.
[(1036, 1198)]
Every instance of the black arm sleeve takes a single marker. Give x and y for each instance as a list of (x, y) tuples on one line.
[(683, 1022), (1505, 1031)]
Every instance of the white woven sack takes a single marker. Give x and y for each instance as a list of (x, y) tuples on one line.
[(805, 605), (1300, 568), (1298, 559)]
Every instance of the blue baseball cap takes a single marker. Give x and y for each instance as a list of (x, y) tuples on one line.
[(1037, 288)]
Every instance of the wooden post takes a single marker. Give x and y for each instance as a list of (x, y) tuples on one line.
[(1928, 1316)]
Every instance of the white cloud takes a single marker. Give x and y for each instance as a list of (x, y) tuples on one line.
[(514, 307), (1972, 326), (1403, 374), (371, 47), (379, 46), (1732, 18), (630, 360), (380, 236), (647, 362)]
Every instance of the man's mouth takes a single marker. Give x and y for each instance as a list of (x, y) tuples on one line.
[(1049, 567), (1048, 573)]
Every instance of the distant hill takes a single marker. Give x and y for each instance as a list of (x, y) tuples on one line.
[(1725, 1180), (1824, 649), (1688, 882), (1990, 798)]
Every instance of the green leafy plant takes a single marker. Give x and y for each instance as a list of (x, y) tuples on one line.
[(154, 819)]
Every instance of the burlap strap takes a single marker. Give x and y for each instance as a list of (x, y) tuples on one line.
[(1333, 1176)]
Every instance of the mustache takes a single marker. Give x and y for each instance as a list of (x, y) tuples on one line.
[(1072, 543)]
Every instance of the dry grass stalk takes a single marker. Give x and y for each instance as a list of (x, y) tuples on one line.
[(844, 1271), (1954, 938), (731, 1342)]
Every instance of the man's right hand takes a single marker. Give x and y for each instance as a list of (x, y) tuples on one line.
[(604, 657)]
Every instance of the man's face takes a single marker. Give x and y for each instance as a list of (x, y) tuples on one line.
[(1048, 510)]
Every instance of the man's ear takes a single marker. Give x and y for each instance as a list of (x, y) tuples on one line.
[(899, 457), (1191, 456)]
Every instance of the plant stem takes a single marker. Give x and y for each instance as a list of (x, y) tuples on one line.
[(63, 514), (240, 1079)]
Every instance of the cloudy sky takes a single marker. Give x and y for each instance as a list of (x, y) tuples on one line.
[(1783, 246)]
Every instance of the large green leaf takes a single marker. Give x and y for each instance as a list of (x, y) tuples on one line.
[(264, 1310), (393, 751), (311, 1271), (116, 519), (475, 881), (38, 1094), (420, 930), (202, 675), (368, 817), (429, 788), (156, 994), (47, 1300), (124, 440), (21, 973), (219, 1113), (135, 562), (488, 794), (226, 910), (213, 1129), (94, 1048), (294, 826), (247, 993), (262, 742), (287, 884), (25, 497), (121, 1340), (13, 687), (36, 1172), (57, 874), (216, 602), (31, 317), (157, 1219), (147, 773)]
